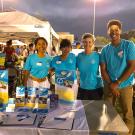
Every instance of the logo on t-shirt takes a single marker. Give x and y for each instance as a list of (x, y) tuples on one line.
[(70, 61), (120, 53), (92, 61)]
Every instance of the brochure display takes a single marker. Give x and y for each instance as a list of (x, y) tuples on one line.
[(34, 99), (42, 100), (3, 87), (20, 96), (31, 97)]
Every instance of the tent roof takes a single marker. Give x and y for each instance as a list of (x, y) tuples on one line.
[(19, 18), (20, 25)]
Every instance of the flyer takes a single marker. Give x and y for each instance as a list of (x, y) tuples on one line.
[(42, 100), (20, 96)]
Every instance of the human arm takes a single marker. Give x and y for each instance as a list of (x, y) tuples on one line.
[(26, 76), (128, 71), (107, 79), (26, 70), (130, 67), (104, 73)]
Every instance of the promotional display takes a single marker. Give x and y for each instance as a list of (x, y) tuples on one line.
[(65, 78), (20, 96), (42, 100), (2, 60), (31, 97), (65, 86), (3, 87)]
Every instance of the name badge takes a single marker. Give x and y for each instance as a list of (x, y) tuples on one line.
[(58, 62), (39, 63)]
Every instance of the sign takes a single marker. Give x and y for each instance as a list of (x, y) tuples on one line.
[(3, 87), (65, 87), (2, 60)]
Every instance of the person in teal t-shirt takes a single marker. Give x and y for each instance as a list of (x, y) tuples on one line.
[(65, 61), (88, 65), (37, 66), (117, 67), (64, 67)]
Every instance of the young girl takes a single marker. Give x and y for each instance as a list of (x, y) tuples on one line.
[(37, 66)]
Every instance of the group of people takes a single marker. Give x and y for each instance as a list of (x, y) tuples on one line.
[(108, 75)]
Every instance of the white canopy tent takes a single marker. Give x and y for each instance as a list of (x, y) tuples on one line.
[(22, 26), (15, 43)]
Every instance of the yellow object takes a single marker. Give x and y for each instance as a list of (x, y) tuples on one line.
[(66, 94), (4, 95)]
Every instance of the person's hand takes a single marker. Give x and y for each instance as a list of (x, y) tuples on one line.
[(114, 85), (114, 88), (116, 93)]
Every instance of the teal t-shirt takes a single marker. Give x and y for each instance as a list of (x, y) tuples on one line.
[(38, 67), (88, 66), (68, 64), (116, 60)]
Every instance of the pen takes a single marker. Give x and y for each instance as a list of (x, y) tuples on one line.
[(58, 118)]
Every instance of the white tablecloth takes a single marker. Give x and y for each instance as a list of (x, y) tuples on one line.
[(79, 127)]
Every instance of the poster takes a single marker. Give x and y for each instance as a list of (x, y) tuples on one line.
[(31, 97), (20, 96), (3, 87), (65, 86), (42, 100), (65, 77), (2, 60)]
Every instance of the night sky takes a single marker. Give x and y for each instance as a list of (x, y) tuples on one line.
[(76, 16)]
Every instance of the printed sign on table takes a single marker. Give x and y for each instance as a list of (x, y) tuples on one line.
[(2, 60), (20, 96), (3, 87), (65, 78), (65, 86)]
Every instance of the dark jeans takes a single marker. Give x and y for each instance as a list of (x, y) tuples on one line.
[(95, 94)]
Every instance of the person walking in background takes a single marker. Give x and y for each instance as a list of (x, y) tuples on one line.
[(37, 66), (10, 65), (11, 56), (117, 67), (88, 66)]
